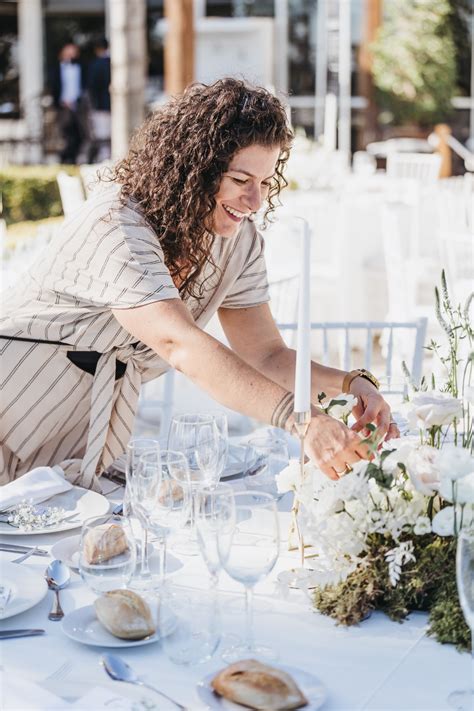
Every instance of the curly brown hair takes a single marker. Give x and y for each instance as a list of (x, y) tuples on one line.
[(177, 159)]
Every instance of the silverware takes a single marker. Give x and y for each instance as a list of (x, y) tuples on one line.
[(10, 634), (57, 576), (118, 670), (13, 548), (24, 556)]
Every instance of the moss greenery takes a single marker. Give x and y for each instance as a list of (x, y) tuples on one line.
[(428, 583)]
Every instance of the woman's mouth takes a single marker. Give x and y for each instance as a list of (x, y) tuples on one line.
[(234, 214)]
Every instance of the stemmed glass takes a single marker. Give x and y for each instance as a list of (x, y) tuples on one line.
[(214, 507), (107, 552), (138, 502), (197, 437), (265, 458), (172, 503), (464, 700), (248, 545)]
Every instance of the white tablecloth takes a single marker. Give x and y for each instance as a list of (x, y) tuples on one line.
[(377, 666)]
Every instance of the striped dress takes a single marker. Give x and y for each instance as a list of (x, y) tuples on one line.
[(106, 256)]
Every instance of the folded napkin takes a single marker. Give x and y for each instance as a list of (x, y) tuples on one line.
[(23, 695), (37, 485)]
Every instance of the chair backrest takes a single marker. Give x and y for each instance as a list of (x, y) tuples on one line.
[(71, 192), (423, 167), (90, 174), (336, 340)]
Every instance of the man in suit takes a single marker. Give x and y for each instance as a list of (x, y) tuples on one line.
[(67, 85), (98, 85)]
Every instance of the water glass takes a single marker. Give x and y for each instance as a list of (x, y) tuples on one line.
[(248, 546), (265, 458), (107, 553), (463, 700), (197, 628), (214, 506)]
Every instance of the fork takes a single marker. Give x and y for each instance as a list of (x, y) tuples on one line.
[(26, 555), (59, 674)]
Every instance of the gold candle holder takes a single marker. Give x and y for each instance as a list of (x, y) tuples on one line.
[(302, 420)]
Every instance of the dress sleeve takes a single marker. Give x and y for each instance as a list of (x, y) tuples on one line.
[(251, 285), (126, 267)]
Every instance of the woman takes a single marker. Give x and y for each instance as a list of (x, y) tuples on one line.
[(128, 284)]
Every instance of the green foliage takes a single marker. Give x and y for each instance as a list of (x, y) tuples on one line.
[(31, 192), (414, 60), (428, 583)]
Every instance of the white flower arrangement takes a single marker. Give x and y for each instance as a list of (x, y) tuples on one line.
[(382, 521)]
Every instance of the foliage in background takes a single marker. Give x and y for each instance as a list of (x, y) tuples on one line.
[(460, 18), (31, 192), (414, 61)]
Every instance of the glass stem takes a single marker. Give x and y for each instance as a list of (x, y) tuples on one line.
[(144, 568), (162, 561), (472, 661), (192, 515), (249, 641)]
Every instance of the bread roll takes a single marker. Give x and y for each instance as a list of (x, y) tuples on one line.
[(125, 614), (258, 686), (104, 542)]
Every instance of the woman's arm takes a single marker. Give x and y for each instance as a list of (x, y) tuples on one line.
[(168, 328)]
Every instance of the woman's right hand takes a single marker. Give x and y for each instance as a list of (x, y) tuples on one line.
[(333, 447)]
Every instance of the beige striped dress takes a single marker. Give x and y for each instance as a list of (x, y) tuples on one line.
[(105, 257)]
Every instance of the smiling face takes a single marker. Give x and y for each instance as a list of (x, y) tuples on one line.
[(243, 187)]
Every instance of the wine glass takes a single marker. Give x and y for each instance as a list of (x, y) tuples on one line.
[(136, 448), (107, 552), (173, 502), (464, 699), (196, 436), (220, 420), (145, 491), (214, 506), (248, 546), (265, 458)]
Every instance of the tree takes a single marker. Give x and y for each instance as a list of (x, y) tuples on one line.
[(414, 61)]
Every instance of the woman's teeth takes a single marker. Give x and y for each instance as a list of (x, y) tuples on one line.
[(235, 213)]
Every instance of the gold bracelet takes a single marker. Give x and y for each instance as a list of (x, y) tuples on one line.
[(358, 373)]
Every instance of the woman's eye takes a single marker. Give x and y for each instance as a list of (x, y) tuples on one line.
[(239, 181)]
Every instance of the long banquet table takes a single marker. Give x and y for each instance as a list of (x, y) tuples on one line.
[(379, 665)]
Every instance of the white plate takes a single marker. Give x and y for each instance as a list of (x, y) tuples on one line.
[(309, 684), (28, 588), (78, 502), (67, 550), (82, 626)]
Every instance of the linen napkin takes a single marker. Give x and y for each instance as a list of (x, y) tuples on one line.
[(23, 695), (37, 485)]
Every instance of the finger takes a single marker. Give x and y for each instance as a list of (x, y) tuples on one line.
[(369, 416), (329, 471), (393, 431), (383, 422)]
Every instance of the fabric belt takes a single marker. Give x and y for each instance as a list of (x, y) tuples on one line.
[(87, 361)]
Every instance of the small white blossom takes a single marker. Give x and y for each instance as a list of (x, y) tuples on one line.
[(422, 526), (288, 478), (341, 406)]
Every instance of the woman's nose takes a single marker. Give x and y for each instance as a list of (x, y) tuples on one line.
[(253, 198)]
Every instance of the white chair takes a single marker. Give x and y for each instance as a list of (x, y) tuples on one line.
[(422, 167), (155, 407), (336, 342), (90, 174), (71, 192)]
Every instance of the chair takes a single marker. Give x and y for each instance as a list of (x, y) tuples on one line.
[(336, 342), (71, 192), (90, 174), (422, 167), (155, 407)]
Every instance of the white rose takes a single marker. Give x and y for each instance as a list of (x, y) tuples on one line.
[(455, 462), (469, 394), (341, 405), (422, 526), (433, 408), (288, 478), (461, 490), (443, 522), (403, 447), (422, 467)]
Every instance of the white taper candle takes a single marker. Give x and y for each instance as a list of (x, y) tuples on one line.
[(303, 347)]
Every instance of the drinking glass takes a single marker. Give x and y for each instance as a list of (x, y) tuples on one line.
[(136, 448), (173, 502), (248, 546), (464, 700), (265, 458), (220, 420), (214, 506), (107, 553), (197, 437), (145, 494)]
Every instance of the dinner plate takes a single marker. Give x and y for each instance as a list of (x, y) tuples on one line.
[(67, 550), (309, 684), (27, 587), (79, 504), (82, 626)]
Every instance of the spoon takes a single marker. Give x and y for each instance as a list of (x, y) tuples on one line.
[(57, 576), (118, 670)]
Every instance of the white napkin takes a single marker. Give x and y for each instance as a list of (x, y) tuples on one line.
[(23, 695), (37, 485)]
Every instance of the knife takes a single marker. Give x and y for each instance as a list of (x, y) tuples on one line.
[(10, 634), (13, 548)]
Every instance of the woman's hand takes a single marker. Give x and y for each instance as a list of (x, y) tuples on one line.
[(371, 407), (333, 447)]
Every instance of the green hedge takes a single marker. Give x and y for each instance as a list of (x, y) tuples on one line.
[(31, 192)]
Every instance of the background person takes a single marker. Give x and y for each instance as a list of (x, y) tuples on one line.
[(98, 85), (130, 281), (67, 82)]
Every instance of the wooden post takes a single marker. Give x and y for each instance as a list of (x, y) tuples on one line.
[(179, 45), (372, 21), (442, 131)]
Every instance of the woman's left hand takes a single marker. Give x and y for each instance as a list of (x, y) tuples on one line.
[(371, 407)]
